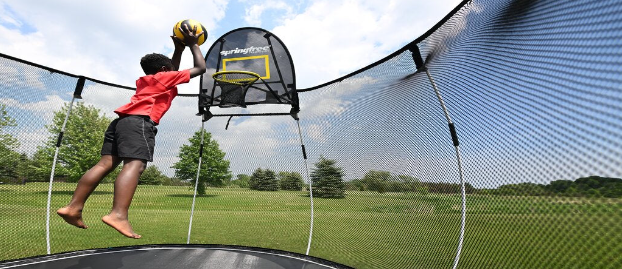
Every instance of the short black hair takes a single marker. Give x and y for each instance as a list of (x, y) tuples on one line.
[(152, 63)]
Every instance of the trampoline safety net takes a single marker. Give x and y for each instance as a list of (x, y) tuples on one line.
[(533, 88)]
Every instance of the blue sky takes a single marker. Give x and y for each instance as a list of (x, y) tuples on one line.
[(13, 21), (327, 39), (105, 40)]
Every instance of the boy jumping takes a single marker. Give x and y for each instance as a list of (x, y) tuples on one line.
[(131, 137)]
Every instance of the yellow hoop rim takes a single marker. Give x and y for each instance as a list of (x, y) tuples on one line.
[(235, 81)]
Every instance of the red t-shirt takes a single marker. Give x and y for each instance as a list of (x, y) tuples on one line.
[(154, 94)]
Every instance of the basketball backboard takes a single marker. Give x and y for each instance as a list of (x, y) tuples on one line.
[(253, 50)]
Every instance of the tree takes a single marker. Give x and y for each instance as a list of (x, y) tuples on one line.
[(241, 181), (263, 180), (6, 121), (377, 180), (355, 185), (9, 158), (593, 193), (41, 165), (152, 176), (327, 179), (81, 145), (612, 189), (559, 186), (572, 192), (214, 168), (291, 181), (23, 168), (412, 184), (522, 189)]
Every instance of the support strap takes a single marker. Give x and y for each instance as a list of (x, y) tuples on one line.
[(77, 93), (228, 121), (417, 56)]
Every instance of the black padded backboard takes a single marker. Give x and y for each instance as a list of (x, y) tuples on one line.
[(255, 50)]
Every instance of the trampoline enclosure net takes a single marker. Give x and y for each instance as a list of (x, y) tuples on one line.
[(533, 87)]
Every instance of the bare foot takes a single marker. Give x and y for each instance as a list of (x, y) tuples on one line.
[(121, 225), (72, 216)]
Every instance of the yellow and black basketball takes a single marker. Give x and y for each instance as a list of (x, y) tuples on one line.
[(192, 24)]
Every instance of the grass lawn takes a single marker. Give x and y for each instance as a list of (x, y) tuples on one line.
[(364, 230)]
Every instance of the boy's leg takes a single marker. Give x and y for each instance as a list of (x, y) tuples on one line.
[(72, 212), (124, 188)]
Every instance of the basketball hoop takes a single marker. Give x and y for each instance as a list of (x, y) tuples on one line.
[(234, 85)]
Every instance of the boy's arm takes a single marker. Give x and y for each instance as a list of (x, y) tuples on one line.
[(191, 40), (179, 49), (199, 62)]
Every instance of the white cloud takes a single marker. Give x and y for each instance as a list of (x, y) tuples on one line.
[(316, 132), (333, 101), (333, 38), (31, 136), (102, 39), (106, 39), (458, 23), (255, 11), (104, 99), (7, 17), (28, 141), (260, 128), (13, 77), (51, 103)]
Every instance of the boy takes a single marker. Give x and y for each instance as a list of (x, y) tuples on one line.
[(131, 137)]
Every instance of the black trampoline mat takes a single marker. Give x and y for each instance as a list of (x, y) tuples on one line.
[(173, 257)]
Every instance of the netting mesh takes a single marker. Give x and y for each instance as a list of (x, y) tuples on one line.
[(234, 86), (533, 87)]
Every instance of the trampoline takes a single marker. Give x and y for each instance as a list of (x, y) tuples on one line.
[(175, 256)]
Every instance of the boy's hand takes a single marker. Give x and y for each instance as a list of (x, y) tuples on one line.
[(190, 38), (178, 44)]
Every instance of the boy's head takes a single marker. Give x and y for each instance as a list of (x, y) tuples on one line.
[(155, 62)]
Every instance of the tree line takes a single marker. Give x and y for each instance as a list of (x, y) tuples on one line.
[(384, 181), (327, 180), (81, 147), (592, 186), (82, 144)]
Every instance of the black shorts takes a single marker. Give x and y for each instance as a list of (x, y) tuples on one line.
[(130, 137)]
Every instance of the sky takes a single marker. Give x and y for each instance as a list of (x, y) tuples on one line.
[(105, 39)]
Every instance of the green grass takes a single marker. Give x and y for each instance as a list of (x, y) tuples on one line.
[(364, 230)]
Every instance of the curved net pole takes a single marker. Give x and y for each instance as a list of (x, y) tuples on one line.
[(416, 54), (304, 153), (77, 94), (49, 204), (454, 137), (196, 183)]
